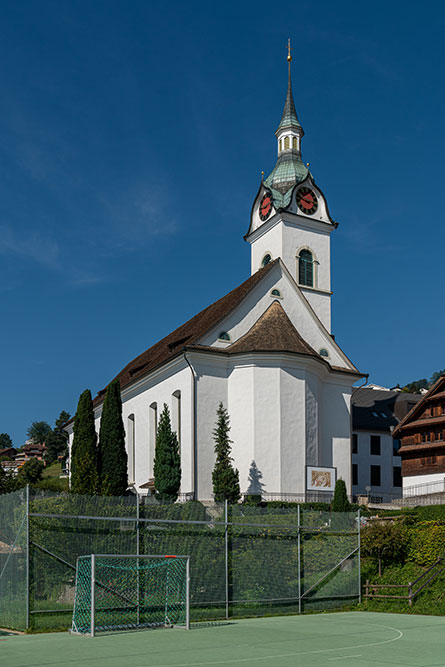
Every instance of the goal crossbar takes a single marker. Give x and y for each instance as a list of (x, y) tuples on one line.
[(131, 591)]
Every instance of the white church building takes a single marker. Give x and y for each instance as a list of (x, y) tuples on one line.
[(265, 350)]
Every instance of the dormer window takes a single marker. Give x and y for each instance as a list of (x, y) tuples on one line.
[(266, 259), (224, 336)]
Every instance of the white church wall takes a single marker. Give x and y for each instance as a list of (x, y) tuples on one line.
[(292, 430), (321, 304), (335, 428), (137, 401), (211, 390), (241, 407)]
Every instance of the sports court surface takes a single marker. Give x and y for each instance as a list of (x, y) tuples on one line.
[(358, 639)]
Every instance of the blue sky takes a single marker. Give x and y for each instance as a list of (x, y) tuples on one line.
[(132, 137)]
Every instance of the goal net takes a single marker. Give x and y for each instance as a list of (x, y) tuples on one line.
[(120, 592)]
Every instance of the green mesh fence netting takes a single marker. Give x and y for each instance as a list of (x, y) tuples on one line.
[(13, 559), (264, 560), (129, 592)]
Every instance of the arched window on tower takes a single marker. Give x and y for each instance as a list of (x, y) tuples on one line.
[(286, 143), (280, 146), (294, 143), (306, 268), (266, 259), (131, 448)]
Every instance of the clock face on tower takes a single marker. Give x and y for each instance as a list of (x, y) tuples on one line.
[(307, 200), (265, 207)]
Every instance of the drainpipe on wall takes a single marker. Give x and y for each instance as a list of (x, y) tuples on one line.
[(194, 423)]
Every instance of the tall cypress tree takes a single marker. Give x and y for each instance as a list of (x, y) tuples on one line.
[(167, 463), (112, 453), (84, 477), (225, 477), (340, 502)]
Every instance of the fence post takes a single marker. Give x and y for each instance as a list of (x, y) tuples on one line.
[(27, 559), (226, 553), (137, 561), (359, 561), (93, 593), (410, 593), (299, 560), (187, 587), (367, 589)]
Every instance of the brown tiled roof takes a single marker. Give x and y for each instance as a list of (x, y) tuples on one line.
[(272, 332), (188, 333)]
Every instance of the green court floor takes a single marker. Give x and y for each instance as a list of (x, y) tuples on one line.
[(356, 639)]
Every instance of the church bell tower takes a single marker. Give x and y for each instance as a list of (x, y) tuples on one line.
[(290, 217)]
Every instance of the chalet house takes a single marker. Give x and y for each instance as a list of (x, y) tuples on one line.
[(422, 434)]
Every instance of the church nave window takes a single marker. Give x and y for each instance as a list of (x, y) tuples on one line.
[(224, 336), (153, 428), (176, 414), (131, 449), (276, 292), (266, 259), (306, 268)]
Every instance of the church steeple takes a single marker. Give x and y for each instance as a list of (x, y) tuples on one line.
[(289, 169), (289, 119)]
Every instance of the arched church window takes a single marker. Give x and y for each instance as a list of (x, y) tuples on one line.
[(286, 143), (131, 447), (276, 292), (324, 352), (306, 268), (294, 143), (224, 336), (280, 146), (266, 259)]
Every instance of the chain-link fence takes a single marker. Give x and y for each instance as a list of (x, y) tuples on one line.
[(244, 559)]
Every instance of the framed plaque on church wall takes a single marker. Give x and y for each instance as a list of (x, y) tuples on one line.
[(320, 479)]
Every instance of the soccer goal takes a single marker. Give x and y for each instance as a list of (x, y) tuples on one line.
[(122, 592)]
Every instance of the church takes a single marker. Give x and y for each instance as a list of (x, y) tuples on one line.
[(265, 350)]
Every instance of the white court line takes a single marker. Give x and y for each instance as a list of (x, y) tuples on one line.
[(343, 657), (284, 655)]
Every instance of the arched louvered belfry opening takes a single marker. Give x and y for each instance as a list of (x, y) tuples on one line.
[(306, 268)]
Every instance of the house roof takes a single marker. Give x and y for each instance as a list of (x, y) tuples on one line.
[(378, 410), (412, 420), (187, 334)]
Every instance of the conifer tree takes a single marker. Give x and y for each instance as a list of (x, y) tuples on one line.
[(112, 455), (84, 477), (167, 463), (225, 477), (340, 502)]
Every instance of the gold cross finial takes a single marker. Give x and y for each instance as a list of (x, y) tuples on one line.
[(289, 49)]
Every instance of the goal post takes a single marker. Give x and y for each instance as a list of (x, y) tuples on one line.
[(127, 591)]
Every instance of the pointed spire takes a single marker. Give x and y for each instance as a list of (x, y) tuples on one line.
[(289, 117)]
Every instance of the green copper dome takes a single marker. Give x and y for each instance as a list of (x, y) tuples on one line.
[(289, 170)]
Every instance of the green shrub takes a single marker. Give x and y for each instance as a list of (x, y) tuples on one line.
[(427, 542)]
